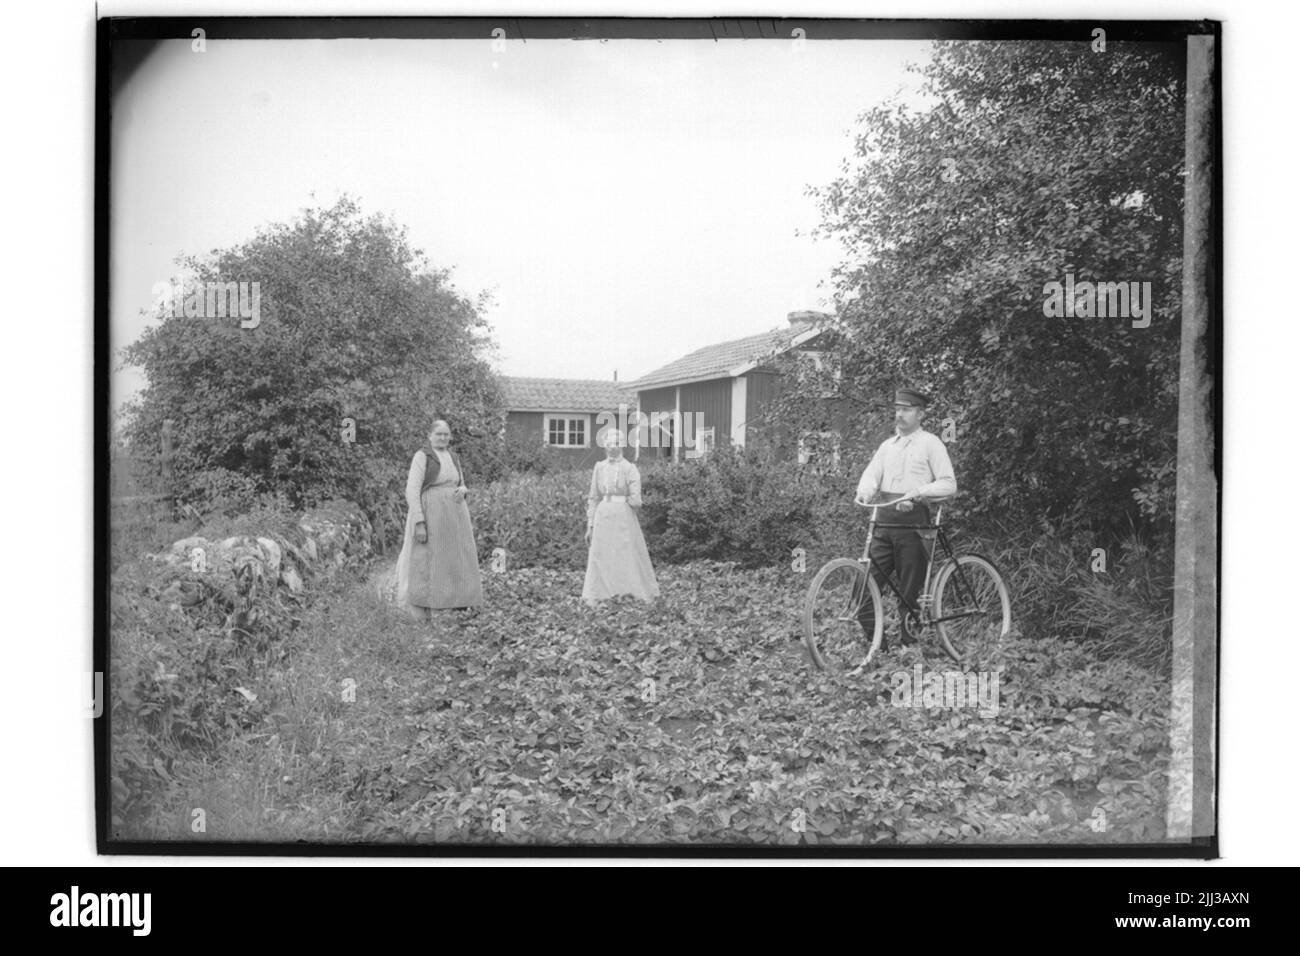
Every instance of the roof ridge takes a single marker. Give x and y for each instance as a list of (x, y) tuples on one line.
[(557, 378), (539, 393), (774, 335)]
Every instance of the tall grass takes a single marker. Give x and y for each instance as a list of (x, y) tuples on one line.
[(1124, 611)]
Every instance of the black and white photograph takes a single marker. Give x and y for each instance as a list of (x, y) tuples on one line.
[(658, 437)]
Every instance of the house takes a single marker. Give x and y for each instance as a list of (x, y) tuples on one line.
[(716, 395), (562, 413)]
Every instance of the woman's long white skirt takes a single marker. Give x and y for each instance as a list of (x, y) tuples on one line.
[(618, 562)]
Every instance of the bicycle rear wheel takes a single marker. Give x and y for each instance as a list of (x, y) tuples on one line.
[(972, 609), (831, 631)]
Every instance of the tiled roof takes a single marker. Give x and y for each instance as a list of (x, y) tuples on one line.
[(717, 361), (563, 394)]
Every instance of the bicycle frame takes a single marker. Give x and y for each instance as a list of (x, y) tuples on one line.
[(921, 609)]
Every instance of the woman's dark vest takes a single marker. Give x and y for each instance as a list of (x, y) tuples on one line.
[(432, 465)]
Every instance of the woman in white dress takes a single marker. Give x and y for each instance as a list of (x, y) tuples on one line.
[(617, 559), (438, 566)]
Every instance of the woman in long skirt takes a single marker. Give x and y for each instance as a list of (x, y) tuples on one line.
[(617, 559), (438, 566)]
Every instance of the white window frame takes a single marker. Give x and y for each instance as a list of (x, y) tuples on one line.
[(568, 419)]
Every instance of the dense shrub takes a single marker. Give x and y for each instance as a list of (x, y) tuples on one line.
[(944, 278), (360, 343), (220, 491), (742, 506), (538, 519), (513, 454)]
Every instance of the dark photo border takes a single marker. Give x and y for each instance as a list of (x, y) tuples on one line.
[(1194, 721)]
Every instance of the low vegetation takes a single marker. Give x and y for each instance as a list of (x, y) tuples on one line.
[(697, 720)]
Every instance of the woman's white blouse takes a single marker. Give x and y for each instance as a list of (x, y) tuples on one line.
[(614, 478)]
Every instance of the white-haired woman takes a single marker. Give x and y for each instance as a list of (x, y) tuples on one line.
[(617, 559), (438, 566)]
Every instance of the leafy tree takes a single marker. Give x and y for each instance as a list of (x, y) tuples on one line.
[(1030, 161), (354, 325)]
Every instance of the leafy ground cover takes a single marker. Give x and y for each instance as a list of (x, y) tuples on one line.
[(695, 720)]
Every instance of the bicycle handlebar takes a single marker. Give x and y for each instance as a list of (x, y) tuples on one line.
[(897, 501)]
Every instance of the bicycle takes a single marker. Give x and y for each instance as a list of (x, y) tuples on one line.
[(969, 606)]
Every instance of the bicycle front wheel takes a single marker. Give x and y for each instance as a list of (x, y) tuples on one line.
[(972, 609), (831, 631)]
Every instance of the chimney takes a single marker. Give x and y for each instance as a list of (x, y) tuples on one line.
[(616, 375)]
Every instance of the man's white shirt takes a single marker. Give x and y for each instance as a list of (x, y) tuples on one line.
[(917, 462)]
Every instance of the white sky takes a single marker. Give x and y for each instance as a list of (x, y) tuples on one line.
[(624, 201)]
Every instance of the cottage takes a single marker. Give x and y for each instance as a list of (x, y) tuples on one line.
[(561, 413), (715, 395), (712, 397)]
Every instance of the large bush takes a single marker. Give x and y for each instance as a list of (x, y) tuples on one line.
[(747, 508), (1026, 162), (360, 343), (743, 506), (511, 454)]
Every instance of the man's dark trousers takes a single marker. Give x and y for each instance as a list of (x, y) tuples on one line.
[(901, 548)]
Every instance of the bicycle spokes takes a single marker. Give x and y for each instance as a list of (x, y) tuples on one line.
[(972, 608), (836, 597)]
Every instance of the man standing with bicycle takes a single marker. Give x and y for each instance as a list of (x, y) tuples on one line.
[(912, 465)]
